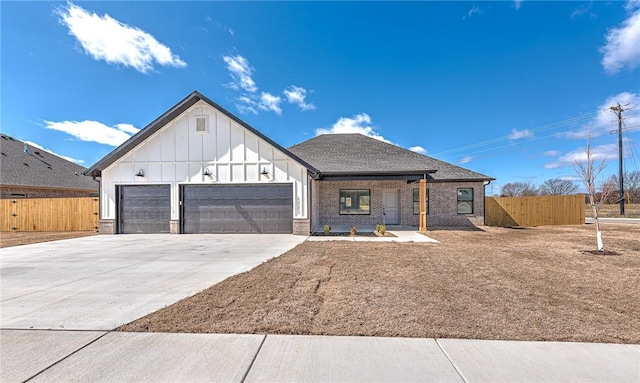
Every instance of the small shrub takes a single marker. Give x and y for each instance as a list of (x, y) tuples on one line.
[(354, 231), (326, 229), (382, 229)]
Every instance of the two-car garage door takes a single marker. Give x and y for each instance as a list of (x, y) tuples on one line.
[(246, 208), (254, 208)]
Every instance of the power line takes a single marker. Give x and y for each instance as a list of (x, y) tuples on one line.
[(509, 137)]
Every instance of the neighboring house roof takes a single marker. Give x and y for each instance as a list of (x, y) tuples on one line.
[(356, 154), (39, 168), (169, 116)]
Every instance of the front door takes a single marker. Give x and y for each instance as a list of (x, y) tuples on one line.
[(390, 207)]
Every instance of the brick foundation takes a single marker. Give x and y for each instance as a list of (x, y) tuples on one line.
[(174, 226), (301, 226), (107, 226)]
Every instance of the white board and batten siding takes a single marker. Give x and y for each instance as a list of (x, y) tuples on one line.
[(177, 154)]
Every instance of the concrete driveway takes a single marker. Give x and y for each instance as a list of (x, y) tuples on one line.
[(102, 282)]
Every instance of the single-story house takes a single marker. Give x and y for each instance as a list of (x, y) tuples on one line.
[(200, 169), (27, 171)]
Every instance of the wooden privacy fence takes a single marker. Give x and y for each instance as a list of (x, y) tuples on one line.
[(49, 214), (534, 211)]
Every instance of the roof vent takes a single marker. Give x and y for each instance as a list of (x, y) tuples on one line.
[(26, 149), (201, 124), (5, 137)]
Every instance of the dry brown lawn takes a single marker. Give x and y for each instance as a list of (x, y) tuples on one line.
[(498, 283), (613, 211), (8, 239)]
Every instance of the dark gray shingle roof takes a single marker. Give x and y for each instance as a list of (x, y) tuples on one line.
[(356, 154), (39, 168), (168, 116)]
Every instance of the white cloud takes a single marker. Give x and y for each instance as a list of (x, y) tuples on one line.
[(270, 102), (581, 10), (571, 178), (31, 143), (94, 131), (418, 149), (297, 95), (127, 128), (517, 134), (240, 71), (465, 159), (246, 105), (623, 43), (249, 101), (551, 153), (359, 123), (631, 5), (474, 10), (105, 38), (598, 153), (517, 4), (606, 120)]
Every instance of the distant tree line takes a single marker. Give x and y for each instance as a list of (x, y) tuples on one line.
[(558, 186)]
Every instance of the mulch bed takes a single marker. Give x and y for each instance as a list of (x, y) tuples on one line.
[(497, 283), (358, 234)]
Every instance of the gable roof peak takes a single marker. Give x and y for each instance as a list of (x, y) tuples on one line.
[(160, 122)]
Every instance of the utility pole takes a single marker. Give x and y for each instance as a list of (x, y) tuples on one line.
[(618, 111)]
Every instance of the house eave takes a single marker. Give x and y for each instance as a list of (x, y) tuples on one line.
[(378, 173), (433, 181)]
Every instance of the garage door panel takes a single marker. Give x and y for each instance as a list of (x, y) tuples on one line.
[(145, 209), (255, 208)]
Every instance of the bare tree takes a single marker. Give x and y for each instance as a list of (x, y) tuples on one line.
[(557, 186), (519, 189), (632, 185), (589, 171)]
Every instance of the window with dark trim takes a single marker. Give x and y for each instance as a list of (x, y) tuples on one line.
[(355, 201), (416, 201), (465, 201)]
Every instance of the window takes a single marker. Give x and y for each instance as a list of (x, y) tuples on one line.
[(354, 202), (416, 201), (465, 201)]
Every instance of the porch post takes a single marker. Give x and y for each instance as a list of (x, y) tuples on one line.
[(423, 205)]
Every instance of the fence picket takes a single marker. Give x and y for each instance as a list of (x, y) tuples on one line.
[(49, 214), (534, 210)]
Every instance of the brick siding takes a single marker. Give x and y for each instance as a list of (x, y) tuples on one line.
[(442, 204)]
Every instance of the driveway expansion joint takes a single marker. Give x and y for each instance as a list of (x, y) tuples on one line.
[(244, 377), (451, 361), (66, 357)]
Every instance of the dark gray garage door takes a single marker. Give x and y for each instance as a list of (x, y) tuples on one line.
[(255, 208), (144, 208)]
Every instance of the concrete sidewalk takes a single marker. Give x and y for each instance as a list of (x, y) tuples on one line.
[(120, 357)]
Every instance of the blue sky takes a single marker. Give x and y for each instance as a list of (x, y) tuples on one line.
[(508, 89)]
